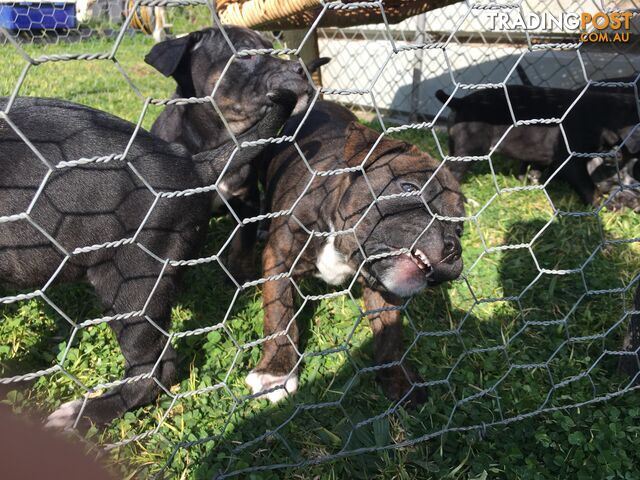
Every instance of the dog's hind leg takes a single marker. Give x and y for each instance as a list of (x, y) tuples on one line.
[(396, 379), (134, 285)]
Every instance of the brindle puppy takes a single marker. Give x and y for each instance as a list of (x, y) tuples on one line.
[(397, 245)]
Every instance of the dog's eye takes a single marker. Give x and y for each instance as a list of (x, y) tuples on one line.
[(409, 187), (248, 58)]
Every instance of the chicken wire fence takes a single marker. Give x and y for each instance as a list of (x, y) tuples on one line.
[(534, 324)]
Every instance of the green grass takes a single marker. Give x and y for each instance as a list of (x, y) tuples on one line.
[(599, 440)]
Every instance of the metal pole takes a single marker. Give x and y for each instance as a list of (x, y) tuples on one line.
[(417, 69)]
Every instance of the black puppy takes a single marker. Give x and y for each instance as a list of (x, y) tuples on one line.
[(385, 225), (123, 224), (596, 123), (199, 63), (607, 173)]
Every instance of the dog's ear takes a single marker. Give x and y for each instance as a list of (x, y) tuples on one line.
[(360, 139), (628, 135), (524, 78), (454, 103), (166, 56), (442, 96), (609, 137), (172, 57), (632, 140), (316, 63)]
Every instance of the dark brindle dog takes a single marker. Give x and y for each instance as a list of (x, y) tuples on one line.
[(197, 62), (407, 248), (117, 224), (596, 123)]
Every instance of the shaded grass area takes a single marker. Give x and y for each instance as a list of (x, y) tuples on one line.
[(465, 337)]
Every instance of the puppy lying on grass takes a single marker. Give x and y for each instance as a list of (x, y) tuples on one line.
[(388, 215), (124, 224)]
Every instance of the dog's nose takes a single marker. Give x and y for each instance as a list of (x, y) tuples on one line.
[(451, 250)]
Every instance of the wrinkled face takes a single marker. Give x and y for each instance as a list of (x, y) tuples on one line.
[(412, 199), (197, 63), (241, 95)]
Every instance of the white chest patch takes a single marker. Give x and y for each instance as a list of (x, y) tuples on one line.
[(331, 264)]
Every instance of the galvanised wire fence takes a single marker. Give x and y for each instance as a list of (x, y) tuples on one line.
[(534, 325)]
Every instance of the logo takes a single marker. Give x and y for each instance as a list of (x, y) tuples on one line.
[(606, 27), (599, 27)]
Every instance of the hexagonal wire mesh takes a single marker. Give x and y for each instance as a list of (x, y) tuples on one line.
[(533, 325)]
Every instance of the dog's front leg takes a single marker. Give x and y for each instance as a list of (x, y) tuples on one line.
[(396, 378), (130, 285), (240, 256), (277, 370), (576, 174)]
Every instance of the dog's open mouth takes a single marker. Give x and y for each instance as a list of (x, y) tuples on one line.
[(422, 261)]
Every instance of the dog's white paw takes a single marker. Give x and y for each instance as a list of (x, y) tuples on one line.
[(65, 416), (259, 382)]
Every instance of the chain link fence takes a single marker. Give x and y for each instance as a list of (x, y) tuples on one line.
[(534, 325)]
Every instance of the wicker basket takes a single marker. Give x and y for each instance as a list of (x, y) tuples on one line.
[(297, 14)]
